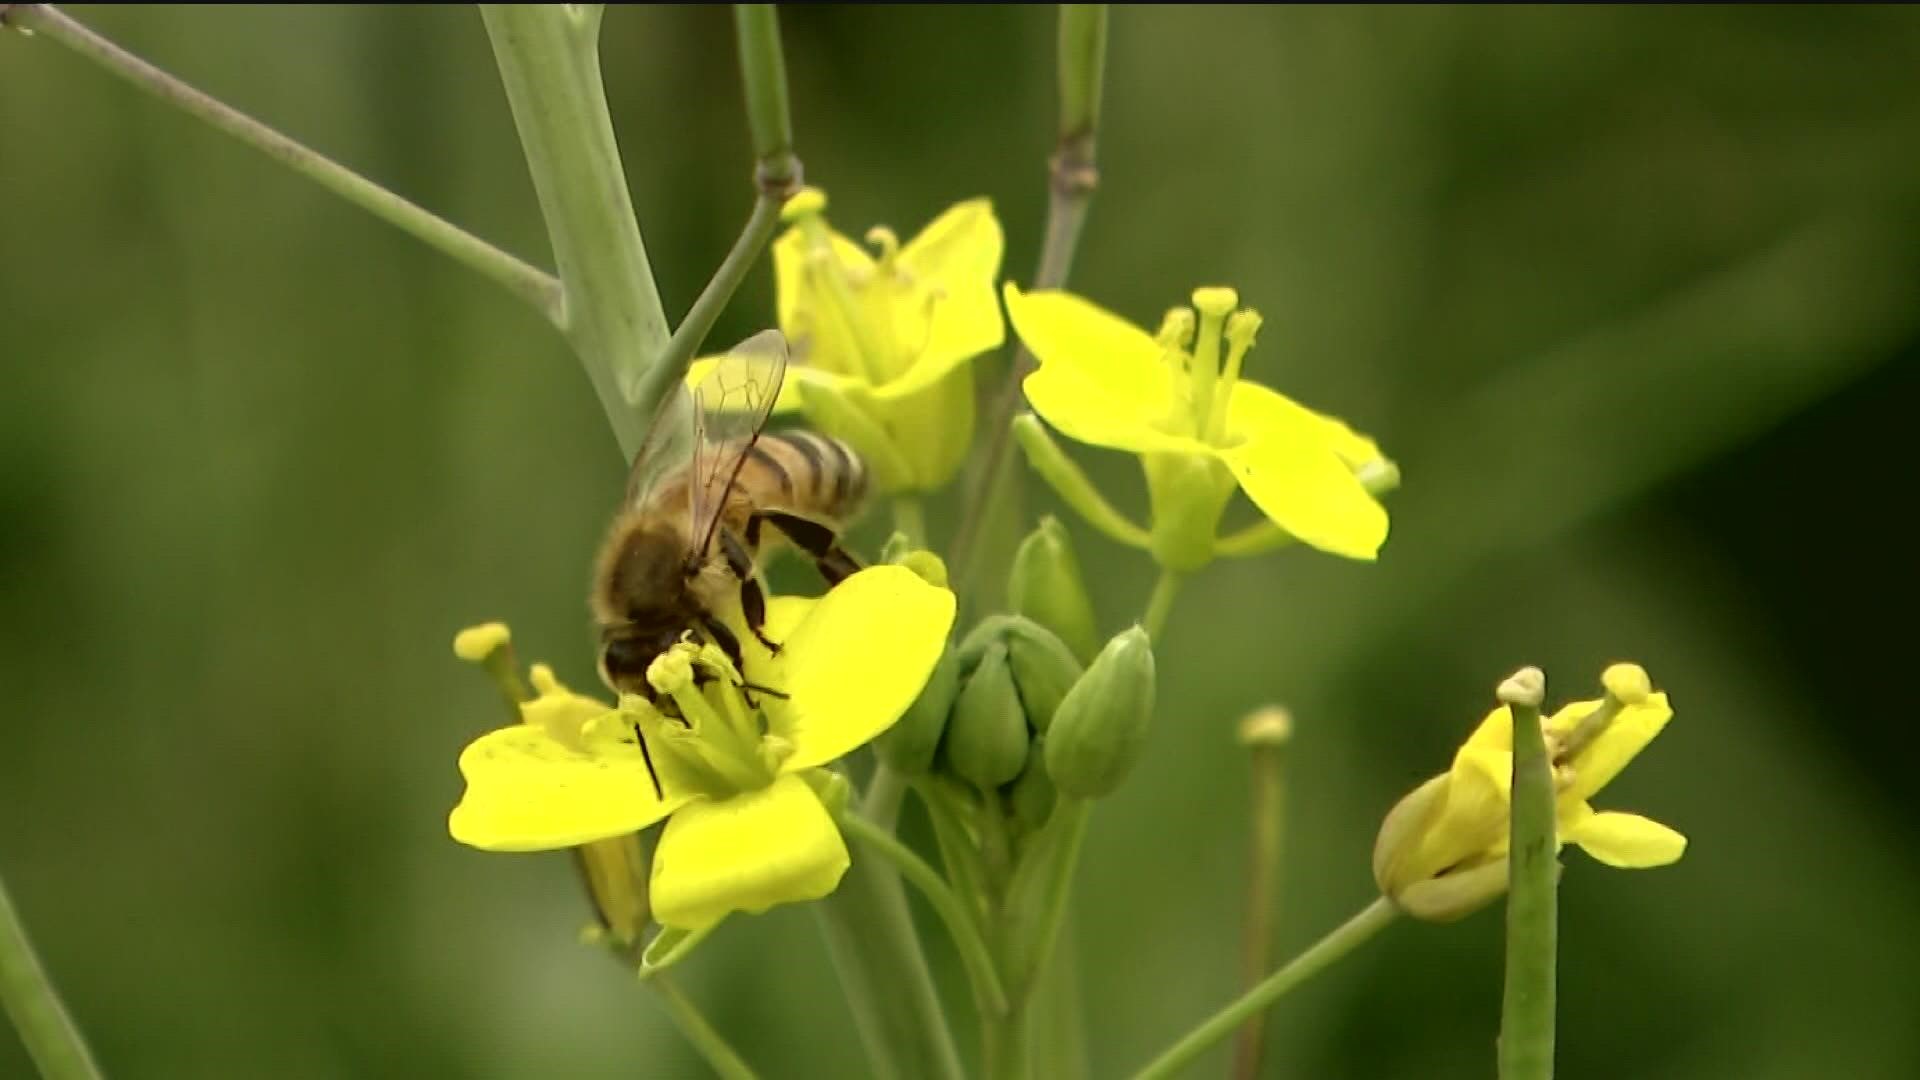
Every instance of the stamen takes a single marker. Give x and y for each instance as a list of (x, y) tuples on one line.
[(1213, 305), (885, 244), (1242, 326)]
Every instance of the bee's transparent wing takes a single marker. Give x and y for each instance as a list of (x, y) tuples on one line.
[(730, 407), (669, 446)]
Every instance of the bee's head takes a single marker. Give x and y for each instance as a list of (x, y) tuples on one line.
[(627, 650)]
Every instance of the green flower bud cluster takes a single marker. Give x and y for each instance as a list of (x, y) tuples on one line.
[(1012, 714)]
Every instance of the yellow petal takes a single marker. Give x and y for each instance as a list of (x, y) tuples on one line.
[(1495, 732), (855, 661), (1288, 461), (1472, 819), (1254, 406), (947, 295), (528, 791), (1624, 840), (773, 846), (1101, 379), (809, 314), (1629, 733)]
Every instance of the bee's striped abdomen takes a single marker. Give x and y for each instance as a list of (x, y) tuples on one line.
[(817, 476)]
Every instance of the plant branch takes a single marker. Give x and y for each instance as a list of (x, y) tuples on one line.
[(1318, 957), (1072, 177), (763, 66), (52, 1040), (613, 316), (720, 1056), (967, 939), (531, 284)]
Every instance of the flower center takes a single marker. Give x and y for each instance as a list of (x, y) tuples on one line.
[(718, 735), (1204, 354)]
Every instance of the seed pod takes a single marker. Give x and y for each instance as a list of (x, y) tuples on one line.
[(1044, 670), (910, 743), (986, 741), (1100, 729), (1045, 585)]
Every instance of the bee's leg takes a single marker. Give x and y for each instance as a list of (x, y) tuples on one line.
[(647, 756), (753, 599), (724, 638), (818, 541)]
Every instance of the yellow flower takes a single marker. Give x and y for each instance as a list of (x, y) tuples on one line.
[(738, 779), (881, 341), (1442, 852), (1178, 400)]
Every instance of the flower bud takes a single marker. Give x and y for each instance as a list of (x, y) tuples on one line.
[(1101, 727), (986, 632), (986, 740), (1045, 585), (1044, 670), (909, 744), (1032, 794)]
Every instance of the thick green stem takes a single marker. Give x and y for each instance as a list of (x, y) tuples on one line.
[(884, 976), (1527, 1012), (1160, 604), (712, 1046), (612, 311), (52, 1040), (530, 283), (975, 956), (1072, 177), (764, 67), (1318, 957)]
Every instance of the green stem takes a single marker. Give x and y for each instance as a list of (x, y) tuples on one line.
[(52, 1040), (613, 316), (1006, 1048), (1318, 957), (711, 1044), (531, 284), (1267, 805), (1037, 896), (692, 331), (1072, 176), (764, 68), (1160, 604), (967, 939), (884, 976), (885, 790), (1527, 1012), (910, 519)]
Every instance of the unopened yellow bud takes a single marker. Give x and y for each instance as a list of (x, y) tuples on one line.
[(807, 202)]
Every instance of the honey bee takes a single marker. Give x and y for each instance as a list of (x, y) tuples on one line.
[(710, 494)]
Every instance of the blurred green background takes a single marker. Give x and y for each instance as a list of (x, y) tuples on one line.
[(1631, 294)]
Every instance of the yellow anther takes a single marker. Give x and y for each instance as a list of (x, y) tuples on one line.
[(1176, 329), (885, 243), (543, 680), (672, 671), (1627, 683), (1270, 726), (1215, 301), (476, 643)]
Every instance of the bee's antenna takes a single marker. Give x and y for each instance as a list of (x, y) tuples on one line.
[(647, 756)]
